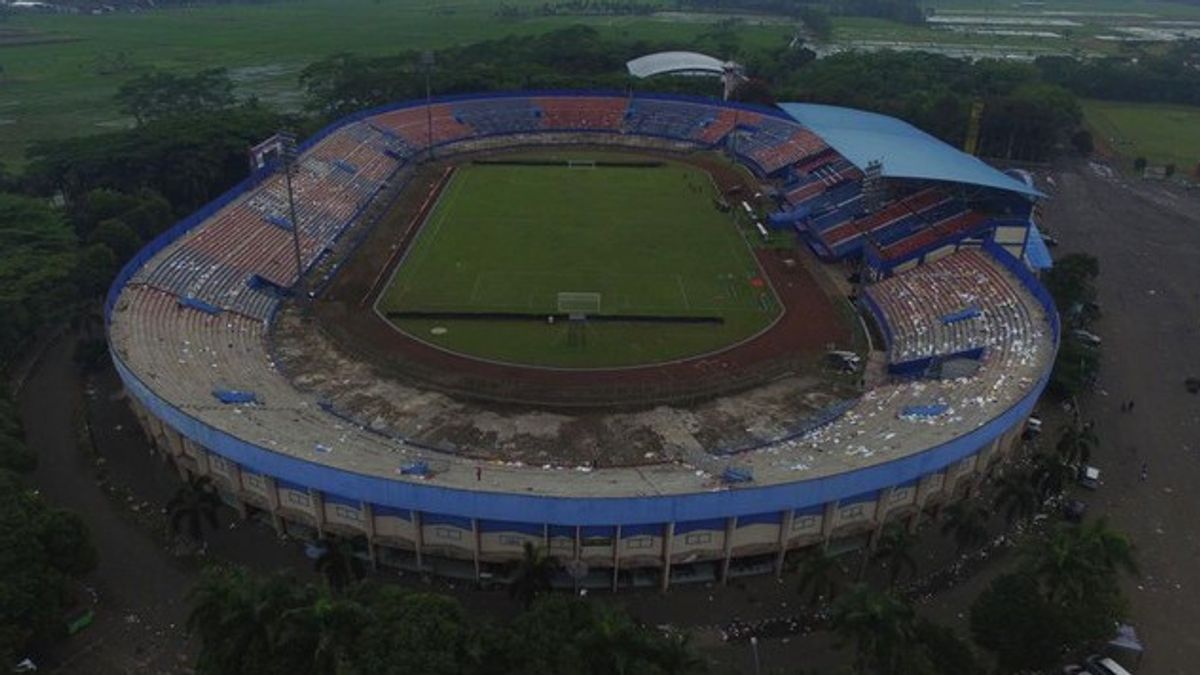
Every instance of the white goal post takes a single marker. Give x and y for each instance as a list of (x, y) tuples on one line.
[(581, 163), (576, 302)]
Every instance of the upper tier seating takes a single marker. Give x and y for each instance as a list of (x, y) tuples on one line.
[(413, 125), (915, 303), (902, 213), (583, 113), (251, 238), (774, 143), (499, 116), (673, 119)]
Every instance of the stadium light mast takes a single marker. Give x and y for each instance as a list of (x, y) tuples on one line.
[(287, 142), (427, 66)]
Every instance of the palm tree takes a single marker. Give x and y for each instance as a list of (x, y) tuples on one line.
[(1051, 473), (237, 618), (895, 552), (967, 521), (1076, 443), (195, 504), (819, 575), (1017, 496), (338, 563), (1072, 560), (318, 636), (880, 625), (532, 574)]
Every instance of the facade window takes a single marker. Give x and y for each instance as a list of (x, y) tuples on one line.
[(639, 542), (804, 523), (347, 512), (218, 463), (253, 480), (900, 495), (298, 499), (697, 538), (852, 512), (511, 540), (448, 533), (597, 541)]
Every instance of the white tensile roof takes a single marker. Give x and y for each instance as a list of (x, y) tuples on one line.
[(675, 62)]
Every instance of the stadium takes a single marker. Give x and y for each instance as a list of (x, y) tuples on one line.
[(669, 339)]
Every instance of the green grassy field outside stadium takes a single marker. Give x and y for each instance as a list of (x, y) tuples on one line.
[(649, 241)]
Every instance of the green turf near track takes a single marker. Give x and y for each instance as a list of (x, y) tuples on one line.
[(649, 240), (1163, 134)]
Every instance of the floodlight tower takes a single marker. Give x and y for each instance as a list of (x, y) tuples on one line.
[(287, 145), (427, 66)]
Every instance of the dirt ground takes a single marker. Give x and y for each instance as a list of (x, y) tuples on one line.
[(1147, 238)]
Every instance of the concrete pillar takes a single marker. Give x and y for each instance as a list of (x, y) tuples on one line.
[(730, 526), (368, 514), (317, 499), (418, 539), (273, 504), (475, 537), (785, 531), (668, 544), (235, 481), (827, 522), (882, 506), (203, 461), (616, 562)]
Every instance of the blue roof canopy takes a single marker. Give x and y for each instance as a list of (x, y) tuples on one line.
[(1035, 250), (904, 150)]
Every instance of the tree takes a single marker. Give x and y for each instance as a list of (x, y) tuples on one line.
[(194, 505), (408, 632), (37, 263), (1011, 620), (1017, 496), (1072, 561), (158, 94), (532, 574), (1082, 142), (879, 625), (1077, 441), (820, 575), (1065, 597), (42, 551), (966, 521), (1051, 473), (895, 552), (238, 618), (338, 564)]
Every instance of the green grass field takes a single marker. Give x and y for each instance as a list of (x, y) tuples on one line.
[(648, 240), (1163, 134), (61, 71)]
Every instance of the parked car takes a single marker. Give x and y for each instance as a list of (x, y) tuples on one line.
[(1089, 477), (1086, 337), (1102, 665)]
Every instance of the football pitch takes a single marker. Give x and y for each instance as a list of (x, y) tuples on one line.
[(643, 246)]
